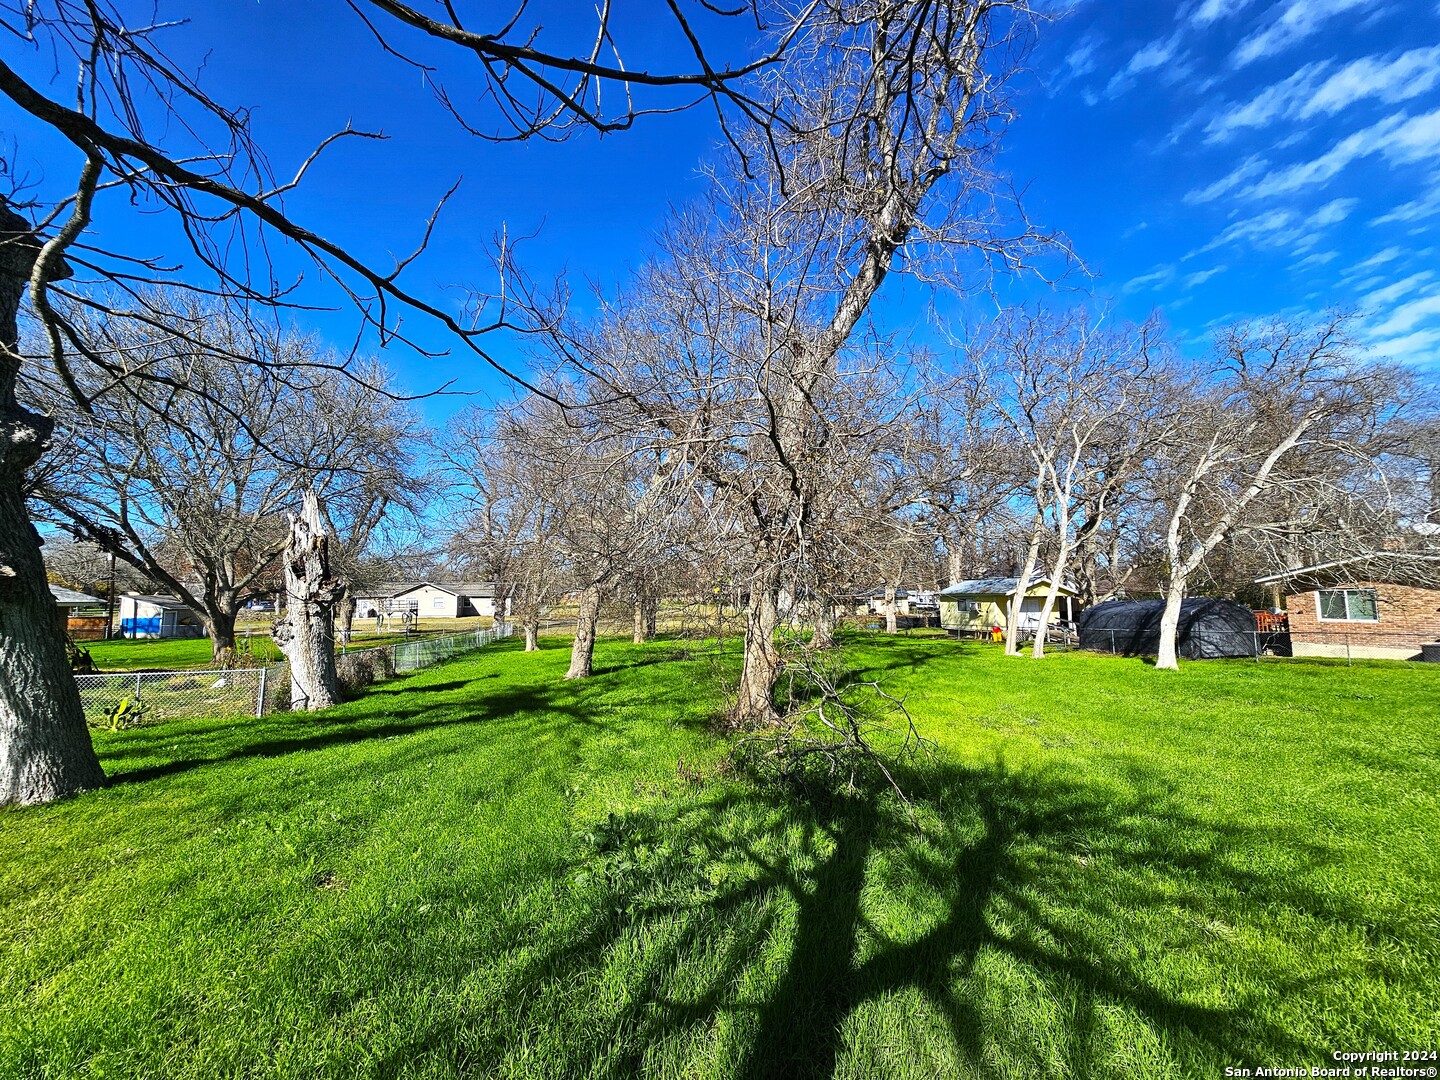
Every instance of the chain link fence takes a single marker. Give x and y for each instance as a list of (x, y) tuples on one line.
[(179, 695), (414, 655), (172, 695)]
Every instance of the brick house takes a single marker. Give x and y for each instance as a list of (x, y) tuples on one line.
[(1382, 606)]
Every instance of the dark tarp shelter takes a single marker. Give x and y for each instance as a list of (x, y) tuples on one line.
[(1209, 628)]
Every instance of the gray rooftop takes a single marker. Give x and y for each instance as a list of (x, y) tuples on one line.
[(70, 598), (992, 586)]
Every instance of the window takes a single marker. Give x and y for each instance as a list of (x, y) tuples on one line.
[(439, 603), (1348, 605)]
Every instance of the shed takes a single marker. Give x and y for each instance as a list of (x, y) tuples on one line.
[(157, 617), (82, 616), (1210, 628), (978, 604)]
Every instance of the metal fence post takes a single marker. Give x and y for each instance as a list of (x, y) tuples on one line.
[(260, 697)]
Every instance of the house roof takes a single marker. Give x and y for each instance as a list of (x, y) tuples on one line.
[(70, 598), (157, 601), (480, 589), (993, 586), (1394, 567)]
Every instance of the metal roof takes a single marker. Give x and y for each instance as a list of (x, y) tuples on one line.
[(70, 598), (993, 586), (157, 601)]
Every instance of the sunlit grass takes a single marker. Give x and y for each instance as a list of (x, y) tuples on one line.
[(484, 870)]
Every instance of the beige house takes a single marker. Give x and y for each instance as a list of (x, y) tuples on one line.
[(977, 606)]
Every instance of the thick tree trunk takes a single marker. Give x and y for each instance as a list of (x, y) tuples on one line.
[(1166, 658), (306, 632), (639, 635), (755, 697), (45, 750), (532, 635), (220, 625), (892, 620), (582, 650)]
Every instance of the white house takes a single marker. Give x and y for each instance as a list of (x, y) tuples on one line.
[(434, 599)]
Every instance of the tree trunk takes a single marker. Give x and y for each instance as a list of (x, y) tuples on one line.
[(1057, 572), (532, 635), (1166, 658), (1022, 586), (345, 615), (652, 615), (220, 625), (638, 637), (582, 650), (306, 632), (955, 563), (892, 621), (823, 636), (755, 698), (45, 750)]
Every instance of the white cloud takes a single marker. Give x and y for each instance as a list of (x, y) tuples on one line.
[(1157, 278), (1319, 89), (1407, 316), (1334, 211), (1389, 254), (1247, 170), (1400, 139), (1201, 276), (1406, 76), (1299, 20), (1418, 348), (1149, 57), (1281, 229), (1319, 258), (1392, 292), (1212, 10), (1421, 209)]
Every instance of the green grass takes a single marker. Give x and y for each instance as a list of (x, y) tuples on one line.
[(483, 870), (171, 654)]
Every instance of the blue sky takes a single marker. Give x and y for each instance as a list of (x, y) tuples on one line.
[(1219, 159), (1210, 160)]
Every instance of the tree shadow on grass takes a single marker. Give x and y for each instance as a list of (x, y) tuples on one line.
[(1025, 890), (291, 733)]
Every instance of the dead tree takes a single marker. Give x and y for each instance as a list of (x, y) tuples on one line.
[(306, 632)]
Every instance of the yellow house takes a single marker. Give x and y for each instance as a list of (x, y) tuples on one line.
[(977, 606)]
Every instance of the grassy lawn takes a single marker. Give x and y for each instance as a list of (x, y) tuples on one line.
[(181, 654), (483, 870)]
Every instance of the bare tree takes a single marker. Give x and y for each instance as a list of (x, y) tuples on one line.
[(729, 342), (1279, 392), (186, 474), (512, 503), (140, 123)]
